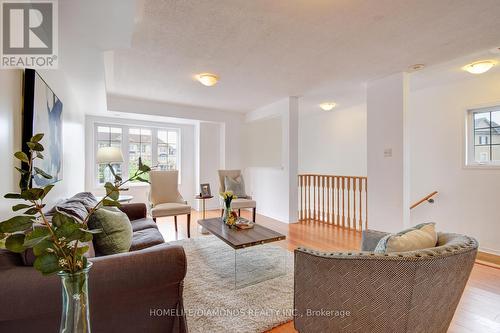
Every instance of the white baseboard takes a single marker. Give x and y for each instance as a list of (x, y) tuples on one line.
[(490, 251)]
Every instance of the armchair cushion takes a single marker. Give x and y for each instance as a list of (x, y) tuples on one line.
[(421, 236), (170, 209), (243, 203)]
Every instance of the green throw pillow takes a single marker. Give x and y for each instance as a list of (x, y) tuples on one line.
[(116, 235)]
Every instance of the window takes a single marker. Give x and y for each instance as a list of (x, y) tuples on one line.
[(483, 136), (140, 142), (155, 146), (108, 137), (167, 149)]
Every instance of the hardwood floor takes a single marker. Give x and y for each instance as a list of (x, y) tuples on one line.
[(478, 310)]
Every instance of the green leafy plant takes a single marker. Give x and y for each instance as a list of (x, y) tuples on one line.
[(58, 242)]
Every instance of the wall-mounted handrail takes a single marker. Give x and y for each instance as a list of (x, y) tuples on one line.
[(428, 198)]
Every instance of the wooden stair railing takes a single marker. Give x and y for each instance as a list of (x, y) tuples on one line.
[(336, 200), (427, 198)]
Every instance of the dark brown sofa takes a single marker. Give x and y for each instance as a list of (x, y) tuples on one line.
[(138, 291)]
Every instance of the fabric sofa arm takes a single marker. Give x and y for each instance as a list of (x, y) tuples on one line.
[(111, 279), (134, 211), (370, 239), (163, 263)]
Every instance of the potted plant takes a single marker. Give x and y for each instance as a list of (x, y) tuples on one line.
[(57, 243)]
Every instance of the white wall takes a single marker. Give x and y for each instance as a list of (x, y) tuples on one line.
[(333, 142), (387, 162), (11, 123), (275, 189), (140, 191), (468, 198), (210, 160), (262, 140)]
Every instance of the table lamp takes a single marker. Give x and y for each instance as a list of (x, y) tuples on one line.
[(108, 155)]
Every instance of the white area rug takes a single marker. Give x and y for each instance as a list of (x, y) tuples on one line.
[(211, 303)]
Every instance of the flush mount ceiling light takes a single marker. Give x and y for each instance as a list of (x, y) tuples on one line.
[(327, 106), (207, 79), (479, 67)]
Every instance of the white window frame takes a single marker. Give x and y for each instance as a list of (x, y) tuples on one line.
[(469, 156), (125, 147)]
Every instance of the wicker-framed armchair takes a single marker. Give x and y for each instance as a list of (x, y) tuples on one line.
[(415, 291)]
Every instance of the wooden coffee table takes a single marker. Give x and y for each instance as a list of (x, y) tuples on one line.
[(248, 246), (241, 238)]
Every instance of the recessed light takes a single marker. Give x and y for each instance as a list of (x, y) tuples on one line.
[(327, 106), (207, 79), (479, 67), (416, 67)]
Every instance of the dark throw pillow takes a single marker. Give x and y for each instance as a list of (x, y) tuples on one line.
[(86, 198), (116, 234), (76, 206)]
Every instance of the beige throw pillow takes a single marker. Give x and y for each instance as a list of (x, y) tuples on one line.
[(421, 236), (237, 186)]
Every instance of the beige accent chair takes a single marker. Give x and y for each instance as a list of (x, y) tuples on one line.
[(165, 198), (407, 292), (239, 203)]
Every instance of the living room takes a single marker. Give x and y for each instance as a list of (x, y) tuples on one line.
[(230, 144)]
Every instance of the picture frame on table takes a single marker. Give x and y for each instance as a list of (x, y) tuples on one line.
[(205, 190)]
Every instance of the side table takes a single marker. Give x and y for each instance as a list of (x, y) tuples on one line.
[(199, 197)]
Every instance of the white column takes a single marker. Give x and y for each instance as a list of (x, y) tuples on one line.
[(387, 154)]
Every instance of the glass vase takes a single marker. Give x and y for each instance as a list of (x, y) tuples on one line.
[(227, 213), (75, 316)]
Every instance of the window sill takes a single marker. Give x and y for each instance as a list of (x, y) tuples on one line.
[(478, 166), (133, 185), (138, 184)]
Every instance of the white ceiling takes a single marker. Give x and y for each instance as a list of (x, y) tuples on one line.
[(266, 50)]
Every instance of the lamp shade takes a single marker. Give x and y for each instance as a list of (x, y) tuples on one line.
[(109, 155)]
